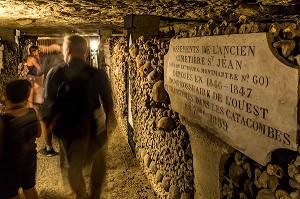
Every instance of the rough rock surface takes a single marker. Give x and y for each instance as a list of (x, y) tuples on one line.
[(60, 16)]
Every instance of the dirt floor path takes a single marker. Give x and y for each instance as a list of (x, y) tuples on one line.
[(124, 179)]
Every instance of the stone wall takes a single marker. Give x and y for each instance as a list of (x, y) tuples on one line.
[(24, 43), (11, 61), (12, 56), (162, 140), (117, 71), (286, 34), (240, 176)]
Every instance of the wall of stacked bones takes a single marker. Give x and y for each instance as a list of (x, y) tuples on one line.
[(162, 143), (10, 63), (12, 56)]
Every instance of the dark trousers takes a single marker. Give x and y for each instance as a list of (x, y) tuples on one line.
[(83, 163)]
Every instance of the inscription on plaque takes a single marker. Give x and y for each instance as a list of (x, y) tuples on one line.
[(238, 87)]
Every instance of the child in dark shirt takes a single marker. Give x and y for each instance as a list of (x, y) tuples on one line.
[(19, 128)]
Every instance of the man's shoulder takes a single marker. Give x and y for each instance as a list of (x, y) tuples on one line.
[(55, 73), (57, 69), (98, 74)]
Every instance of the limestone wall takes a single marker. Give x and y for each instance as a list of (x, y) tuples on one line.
[(117, 71), (240, 176), (181, 159), (161, 141), (11, 58)]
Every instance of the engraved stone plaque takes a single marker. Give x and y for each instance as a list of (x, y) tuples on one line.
[(238, 87)]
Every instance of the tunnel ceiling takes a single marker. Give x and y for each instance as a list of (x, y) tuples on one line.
[(49, 18)]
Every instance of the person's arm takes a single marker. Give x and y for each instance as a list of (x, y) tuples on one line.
[(36, 64), (106, 95), (47, 84), (1, 137), (51, 84)]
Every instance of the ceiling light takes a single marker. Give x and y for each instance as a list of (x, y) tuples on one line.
[(94, 45)]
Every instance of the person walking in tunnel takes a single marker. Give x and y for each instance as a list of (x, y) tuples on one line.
[(19, 128), (48, 61), (35, 77), (75, 94)]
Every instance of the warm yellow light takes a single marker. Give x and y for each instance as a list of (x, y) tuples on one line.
[(94, 45), (2, 10)]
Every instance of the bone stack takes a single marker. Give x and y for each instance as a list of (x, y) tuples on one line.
[(242, 177), (11, 59), (162, 143)]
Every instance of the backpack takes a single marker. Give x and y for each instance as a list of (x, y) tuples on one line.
[(21, 135), (70, 113)]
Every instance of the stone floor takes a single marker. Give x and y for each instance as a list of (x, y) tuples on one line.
[(125, 179)]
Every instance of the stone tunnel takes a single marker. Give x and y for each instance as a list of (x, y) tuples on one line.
[(208, 104)]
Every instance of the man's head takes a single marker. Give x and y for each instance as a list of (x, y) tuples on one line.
[(74, 47), (18, 90)]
